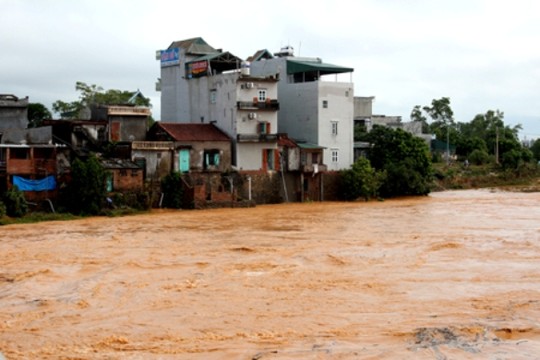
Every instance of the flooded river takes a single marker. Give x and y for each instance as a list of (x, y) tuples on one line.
[(454, 275)]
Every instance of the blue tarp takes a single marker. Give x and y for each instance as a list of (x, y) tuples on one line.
[(48, 183)]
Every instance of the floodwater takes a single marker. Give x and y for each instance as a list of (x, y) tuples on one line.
[(453, 275)]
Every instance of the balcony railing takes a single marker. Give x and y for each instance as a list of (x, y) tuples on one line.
[(260, 105), (256, 137)]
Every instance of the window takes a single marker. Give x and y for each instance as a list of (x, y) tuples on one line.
[(335, 155), (19, 153), (213, 96), (264, 127), (262, 95), (211, 158), (334, 128), (325, 104), (269, 159)]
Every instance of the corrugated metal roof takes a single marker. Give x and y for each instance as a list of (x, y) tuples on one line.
[(297, 66), (193, 132), (194, 46), (309, 146)]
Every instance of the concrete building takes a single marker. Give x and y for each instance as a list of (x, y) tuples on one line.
[(200, 84), (314, 106)]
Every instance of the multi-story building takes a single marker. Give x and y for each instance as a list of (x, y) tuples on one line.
[(200, 84), (314, 107)]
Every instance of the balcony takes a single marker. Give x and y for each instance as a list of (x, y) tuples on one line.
[(271, 105), (313, 168), (257, 137)]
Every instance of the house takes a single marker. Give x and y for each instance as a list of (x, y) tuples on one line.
[(197, 147), (201, 84), (304, 167), (123, 175), (28, 157), (126, 123), (314, 106)]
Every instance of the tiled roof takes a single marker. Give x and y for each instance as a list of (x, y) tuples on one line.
[(193, 132)]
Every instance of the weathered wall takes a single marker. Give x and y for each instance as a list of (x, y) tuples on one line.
[(331, 183), (127, 179)]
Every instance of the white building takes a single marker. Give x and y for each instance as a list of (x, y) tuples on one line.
[(314, 106), (205, 85)]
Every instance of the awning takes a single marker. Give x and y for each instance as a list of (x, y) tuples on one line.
[(298, 66)]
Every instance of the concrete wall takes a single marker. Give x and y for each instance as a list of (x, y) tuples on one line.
[(42, 135), (340, 110), (131, 128), (250, 155), (196, 156), (303, 117), (363, 106), (13, 112), (175, 92)]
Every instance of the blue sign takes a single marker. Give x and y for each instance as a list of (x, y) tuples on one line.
[(170, 57)]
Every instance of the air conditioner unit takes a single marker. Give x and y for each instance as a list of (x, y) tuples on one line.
[(252, 116), (250, 85)]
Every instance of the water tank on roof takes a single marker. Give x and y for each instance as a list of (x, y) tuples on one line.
[(245, 68)]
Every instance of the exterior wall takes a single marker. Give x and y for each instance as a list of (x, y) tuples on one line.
[(363, 106), (250, 155), (127, 179), (42, 135), (158, 160), (175, 92), (196, 155), (13, 113), (127, 128), (303, 117), (340, 111)]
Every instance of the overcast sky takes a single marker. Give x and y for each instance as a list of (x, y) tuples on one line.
[(483, 55)]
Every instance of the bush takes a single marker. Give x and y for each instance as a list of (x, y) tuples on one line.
[(15, 202), (2, 209), (172, 188), (86, 192), (479, 157), (361, 181), (404, 158)]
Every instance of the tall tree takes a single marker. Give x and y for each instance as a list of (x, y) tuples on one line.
[(36, 114)]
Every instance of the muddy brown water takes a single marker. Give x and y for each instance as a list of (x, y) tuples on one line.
[(454, 275)]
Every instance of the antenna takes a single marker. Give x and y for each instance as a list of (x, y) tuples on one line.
[(299, 47)]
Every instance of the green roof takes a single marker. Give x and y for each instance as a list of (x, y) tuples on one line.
[(309, 146), (300, 66)]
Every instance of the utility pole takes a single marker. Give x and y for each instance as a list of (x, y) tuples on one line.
[(497, 146)]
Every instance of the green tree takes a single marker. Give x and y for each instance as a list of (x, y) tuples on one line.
[(95, 95), (87, 192), (36, 114), (418, 116), (361, 181), (404, 158), (535, 149), (443, 123)]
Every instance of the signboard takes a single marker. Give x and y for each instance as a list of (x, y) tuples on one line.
[(170, 57), (197, 69)]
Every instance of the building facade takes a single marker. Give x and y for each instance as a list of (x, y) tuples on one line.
[(313, 108), (200, 84)]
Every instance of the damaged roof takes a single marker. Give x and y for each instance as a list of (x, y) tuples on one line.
[(193, 132)]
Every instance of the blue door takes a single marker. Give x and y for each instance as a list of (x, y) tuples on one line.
[(183, 160)]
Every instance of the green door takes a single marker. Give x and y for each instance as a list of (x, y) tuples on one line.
[(183, 160)]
